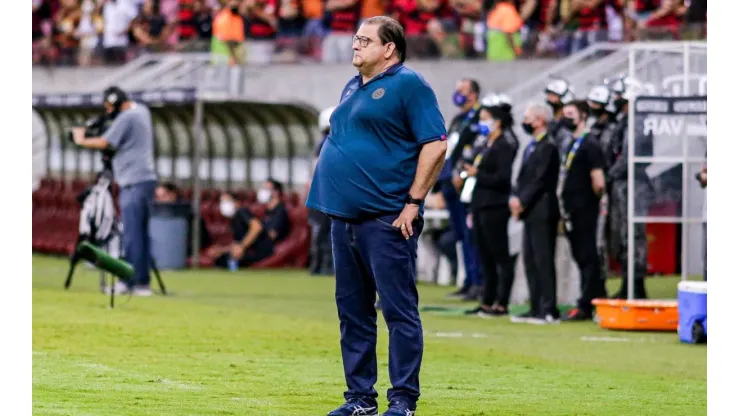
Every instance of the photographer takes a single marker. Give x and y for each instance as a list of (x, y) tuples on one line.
[(130, 139)]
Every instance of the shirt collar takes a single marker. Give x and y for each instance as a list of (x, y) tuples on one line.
[(391, 70)]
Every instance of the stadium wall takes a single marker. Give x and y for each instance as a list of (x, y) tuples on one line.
[(319, 86)]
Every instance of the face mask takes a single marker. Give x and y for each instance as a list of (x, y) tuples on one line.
[(569, 123), (264, 196), (596, 111), (227, 208), (620, 103), (485, 127), (528, 128), (458, 99), (555, 106)]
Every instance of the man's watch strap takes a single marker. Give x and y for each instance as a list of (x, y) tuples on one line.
[(412, 201)]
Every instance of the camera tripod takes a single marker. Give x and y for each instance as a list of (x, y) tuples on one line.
[(84, 250)]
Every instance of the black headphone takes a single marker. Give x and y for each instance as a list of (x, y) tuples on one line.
[(115, 97)]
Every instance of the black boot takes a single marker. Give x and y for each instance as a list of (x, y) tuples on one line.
[(640, 292)]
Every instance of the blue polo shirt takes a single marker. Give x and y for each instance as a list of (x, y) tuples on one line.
[(368, 162)]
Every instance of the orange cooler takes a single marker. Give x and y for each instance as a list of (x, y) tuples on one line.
[(637, 315)]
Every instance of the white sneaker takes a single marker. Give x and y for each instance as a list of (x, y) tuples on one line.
[(546, 320), (119, 287), (144, 291)]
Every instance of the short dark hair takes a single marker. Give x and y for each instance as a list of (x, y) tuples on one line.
[(170, 187), (582, 107), (389, 30), (276, 185), (474, 85)]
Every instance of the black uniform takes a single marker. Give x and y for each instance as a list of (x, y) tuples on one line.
[(581, 208), (618, 204), (560, 136), (490, 206), (536, 188), (602, 132)]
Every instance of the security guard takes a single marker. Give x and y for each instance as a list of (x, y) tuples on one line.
[(580, 188), (558, 93), (625, 90), (462, 134), (601, 124), (598, 100)]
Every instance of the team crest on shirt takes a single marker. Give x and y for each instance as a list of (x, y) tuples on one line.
[(378, 94)]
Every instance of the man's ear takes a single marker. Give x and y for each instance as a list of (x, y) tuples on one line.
[(390, 50)]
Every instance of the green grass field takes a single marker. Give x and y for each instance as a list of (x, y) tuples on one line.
[(266, 343)]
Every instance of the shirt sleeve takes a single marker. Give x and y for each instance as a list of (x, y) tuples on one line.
[(240, 223), (116, 133), (596, 159), (423, 115)]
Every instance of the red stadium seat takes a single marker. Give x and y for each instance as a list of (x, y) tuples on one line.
[(258, 210), (293, 251), (78, 185)]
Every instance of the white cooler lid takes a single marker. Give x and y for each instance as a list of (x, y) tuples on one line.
[(692, 286)]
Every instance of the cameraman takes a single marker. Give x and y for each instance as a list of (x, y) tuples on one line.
[(130, 139)]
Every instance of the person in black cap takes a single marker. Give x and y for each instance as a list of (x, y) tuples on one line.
[(131, 139)]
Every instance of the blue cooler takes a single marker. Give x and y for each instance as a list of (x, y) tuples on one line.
[(692, 312)]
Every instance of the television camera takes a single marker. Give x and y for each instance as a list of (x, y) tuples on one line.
[(95, 127)]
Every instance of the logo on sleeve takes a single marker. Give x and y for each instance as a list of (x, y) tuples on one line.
[(378, 94)]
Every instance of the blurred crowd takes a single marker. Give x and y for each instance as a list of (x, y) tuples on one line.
[(94, 32)]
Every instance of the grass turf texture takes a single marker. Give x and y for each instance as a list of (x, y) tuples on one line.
[(266, 343)]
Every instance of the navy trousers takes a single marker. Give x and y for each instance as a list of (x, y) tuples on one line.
[(136, 204), (370, 256), (458, 214)]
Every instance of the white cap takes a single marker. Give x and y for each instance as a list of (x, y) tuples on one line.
[(629, 88), (562, 89), (599, 94), (325, 117), (504, 99), (490, 100), (493, 100)]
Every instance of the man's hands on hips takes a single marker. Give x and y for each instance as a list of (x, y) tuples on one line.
[(405, 219)]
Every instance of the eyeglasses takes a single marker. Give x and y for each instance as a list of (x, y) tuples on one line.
[(362, 40)]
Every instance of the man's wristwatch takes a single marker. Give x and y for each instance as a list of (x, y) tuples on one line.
[(410, 200)]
